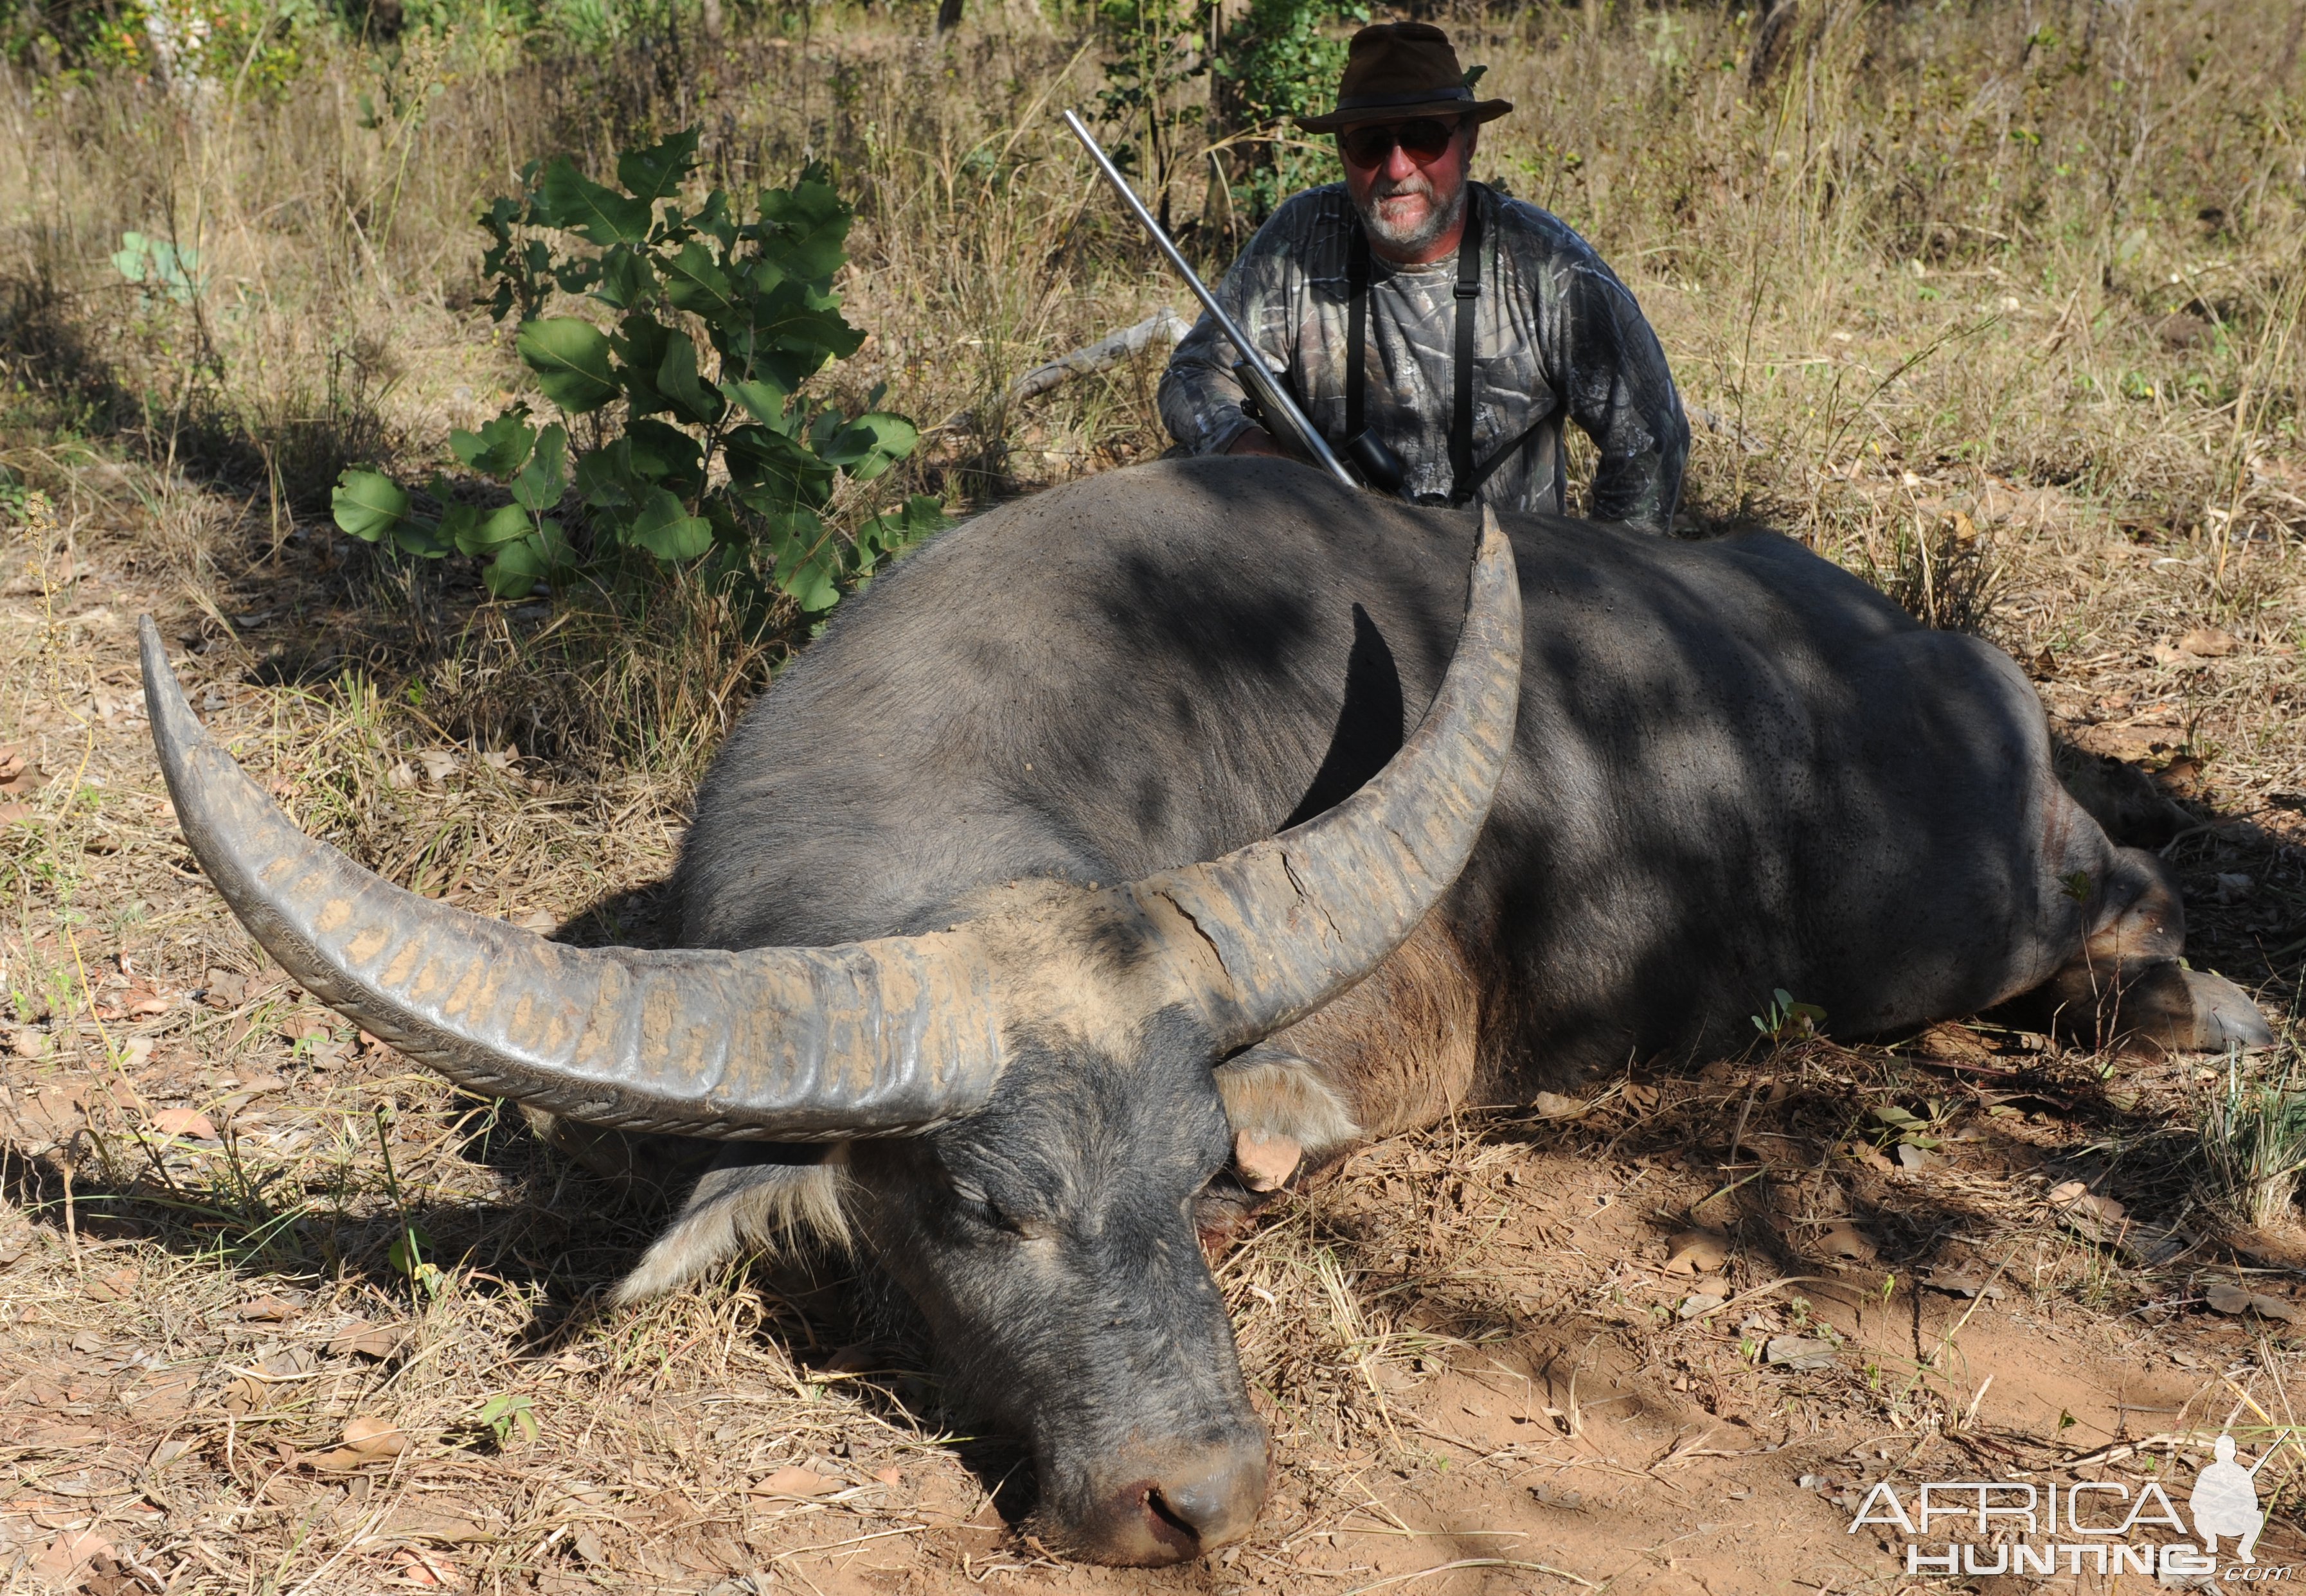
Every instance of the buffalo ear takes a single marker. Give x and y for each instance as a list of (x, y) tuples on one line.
[(1276, 1099)]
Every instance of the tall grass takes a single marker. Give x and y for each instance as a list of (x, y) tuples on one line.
[(1913, 249)]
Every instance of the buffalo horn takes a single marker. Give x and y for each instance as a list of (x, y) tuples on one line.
[(772, 1044), (1297, 919)]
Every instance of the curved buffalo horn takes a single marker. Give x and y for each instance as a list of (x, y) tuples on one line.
[(1297, 919), (876, 1037)]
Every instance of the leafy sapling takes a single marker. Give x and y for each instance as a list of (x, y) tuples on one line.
[(683, 428)]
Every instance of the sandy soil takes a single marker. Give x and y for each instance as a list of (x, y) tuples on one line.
[(1662, 1338)]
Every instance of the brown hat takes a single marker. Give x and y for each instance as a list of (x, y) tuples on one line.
[(1394, 71)]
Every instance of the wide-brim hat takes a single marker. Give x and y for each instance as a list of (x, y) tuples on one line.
[(1394, 71)]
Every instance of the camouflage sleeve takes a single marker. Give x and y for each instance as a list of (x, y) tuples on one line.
[(1618, 391), (1200, 402)]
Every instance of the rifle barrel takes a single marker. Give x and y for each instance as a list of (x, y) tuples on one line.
[(1323, 455)]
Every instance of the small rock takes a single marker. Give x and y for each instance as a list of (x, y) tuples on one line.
[(1911, 1156), (2273, 1308)]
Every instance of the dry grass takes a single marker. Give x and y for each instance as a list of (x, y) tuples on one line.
[(1956, 311)]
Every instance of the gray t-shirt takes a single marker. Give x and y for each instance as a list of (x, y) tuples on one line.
[(1555, 334)]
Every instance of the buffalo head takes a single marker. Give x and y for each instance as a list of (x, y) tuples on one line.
[(1023, 1107)]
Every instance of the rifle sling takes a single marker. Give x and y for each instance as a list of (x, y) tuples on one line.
[(1466, 478)]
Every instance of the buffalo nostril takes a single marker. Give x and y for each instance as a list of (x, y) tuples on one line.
[(1215, 1504)]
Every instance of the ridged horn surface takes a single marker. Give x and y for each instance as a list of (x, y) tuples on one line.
[(1299, 918), (771, 1043)]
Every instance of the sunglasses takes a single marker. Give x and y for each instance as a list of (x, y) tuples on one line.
[(1423, 140)]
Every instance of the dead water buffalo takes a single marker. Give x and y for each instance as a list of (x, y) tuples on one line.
[(1029, 976)]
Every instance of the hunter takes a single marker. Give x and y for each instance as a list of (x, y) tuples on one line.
[(1453, 324)]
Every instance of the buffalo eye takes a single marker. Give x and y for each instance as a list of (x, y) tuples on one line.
[(978, 1208)]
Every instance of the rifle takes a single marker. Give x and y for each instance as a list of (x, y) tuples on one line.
[(1275, 406)]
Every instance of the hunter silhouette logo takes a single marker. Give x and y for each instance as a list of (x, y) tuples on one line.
[(2225, 1502)]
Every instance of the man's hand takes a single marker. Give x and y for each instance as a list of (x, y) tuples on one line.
[(1255, 441)]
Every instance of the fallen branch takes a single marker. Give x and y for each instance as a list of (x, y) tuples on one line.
[(1164, 324)]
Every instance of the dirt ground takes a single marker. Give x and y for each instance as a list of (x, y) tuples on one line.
[(278, 1314)]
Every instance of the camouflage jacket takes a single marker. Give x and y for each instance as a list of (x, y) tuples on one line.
[(1556, 334)]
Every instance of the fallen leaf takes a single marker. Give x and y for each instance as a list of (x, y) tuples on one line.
[(794, 1482), (1265, 1162), (1695, 1252), (28, 1043), (2208, 642), (2225, 1296), (1553, 1105), (184, 1121), (67, 1557), (1698, 1302), (114, 1287), (1911, 1156), (1846, 1242), (2273, 1308), (892, 1475), (375, 1437), (1959, 1282), (1798, 1352), (1641, 1096), (268, 1310), (12, 814), (420, 1565), (1870, 1156), (361, 1339), (223, 989), (587, 1544), (854, 1359)]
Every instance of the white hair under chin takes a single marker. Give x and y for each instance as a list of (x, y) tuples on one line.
[(1414, 240)]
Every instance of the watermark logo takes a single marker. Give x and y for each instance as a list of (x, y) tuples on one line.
[(2094, 1525)]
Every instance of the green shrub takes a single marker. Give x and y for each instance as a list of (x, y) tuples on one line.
[(699, 448)]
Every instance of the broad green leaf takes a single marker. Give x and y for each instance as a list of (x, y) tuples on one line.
[(517, 570), (424, 539), (665, 528), (694, 281), (871, 444), (541, 483), (625, 278), (604, 477), (570, 359), (571, 200), (368, 505), (764, 402), (666, 455), (809, 559), (774, 474), (805, 227), (675, 380), (506, 524), (655, 172), (641, 348), (894, 531), (501, 447)]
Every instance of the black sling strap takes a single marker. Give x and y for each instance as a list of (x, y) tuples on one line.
[(1464, 479), (1463, 483)]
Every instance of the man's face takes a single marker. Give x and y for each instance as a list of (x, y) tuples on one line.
[(1407, 180)]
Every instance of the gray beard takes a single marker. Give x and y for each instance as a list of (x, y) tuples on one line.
[(1417, 239)]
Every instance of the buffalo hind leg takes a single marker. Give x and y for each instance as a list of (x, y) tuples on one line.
[(2127, 987)]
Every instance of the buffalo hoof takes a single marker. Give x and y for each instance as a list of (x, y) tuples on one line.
[(1204, 1501)]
